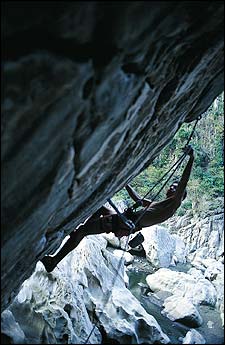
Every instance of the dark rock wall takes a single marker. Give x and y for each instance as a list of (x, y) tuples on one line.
[(92, 91)]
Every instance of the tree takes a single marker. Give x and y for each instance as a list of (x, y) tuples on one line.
[(207, 179)]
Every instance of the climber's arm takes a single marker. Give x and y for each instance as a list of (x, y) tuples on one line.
[(136, 197)]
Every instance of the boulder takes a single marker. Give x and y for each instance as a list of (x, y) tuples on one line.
[(180, 309), (180, 251), (197, 290), (128, 258), (218, 283), (92, 93), (159, 246), (11, 329), (203, 237), (85, 295), (193, 337)]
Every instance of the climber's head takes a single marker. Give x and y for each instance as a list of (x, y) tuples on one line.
[(172, 190)]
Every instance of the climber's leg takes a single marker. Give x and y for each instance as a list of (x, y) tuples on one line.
[(91, 227), (102, 211), (50, 262)]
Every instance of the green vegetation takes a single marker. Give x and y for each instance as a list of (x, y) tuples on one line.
[(207, 181)]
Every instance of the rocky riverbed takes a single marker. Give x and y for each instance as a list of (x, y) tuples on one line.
[(209, 332), (101, 294)]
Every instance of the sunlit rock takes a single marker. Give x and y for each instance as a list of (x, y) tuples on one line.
[(218, 283), (128, 258), (159, 246), (213, 268), (194, 272), (197, 290), (11, 328), (203, 237), (84, 295), (193, 337), (92, 93), (178, 308), (180, 252)]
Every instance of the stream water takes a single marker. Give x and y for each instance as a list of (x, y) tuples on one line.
[(211, 328)]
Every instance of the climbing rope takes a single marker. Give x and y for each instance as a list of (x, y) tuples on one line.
[(132, 225), (175, 166), (190, 137), (110, 291), (139, 203), (126, 221), (146, 208), (177, 162)]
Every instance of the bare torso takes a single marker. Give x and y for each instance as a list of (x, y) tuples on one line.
[(158, 212)]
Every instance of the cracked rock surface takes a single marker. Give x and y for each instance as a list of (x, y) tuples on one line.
[(91, 94)]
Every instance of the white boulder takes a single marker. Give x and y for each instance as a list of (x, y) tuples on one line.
[(128, 258), (197, 290), (180, 253), (181, 309), (159, 246), (86, 287), (11, 328), (193, 337)]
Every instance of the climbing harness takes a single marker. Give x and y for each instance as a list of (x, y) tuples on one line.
[(126, 221), (132, 225)]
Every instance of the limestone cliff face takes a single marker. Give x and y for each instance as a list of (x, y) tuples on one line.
[(202, 234), (81, 302), (91, 94)]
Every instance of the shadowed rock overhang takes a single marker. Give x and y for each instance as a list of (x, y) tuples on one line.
[(92, 92)]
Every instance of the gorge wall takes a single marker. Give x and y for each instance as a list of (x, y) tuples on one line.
[(91, 94)]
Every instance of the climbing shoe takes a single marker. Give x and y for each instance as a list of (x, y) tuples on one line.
[(48, 262), (137, 240)]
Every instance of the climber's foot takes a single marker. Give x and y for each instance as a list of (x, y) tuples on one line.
[(48, 262)]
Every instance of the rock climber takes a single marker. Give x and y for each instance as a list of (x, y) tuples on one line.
[(106, 221)]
